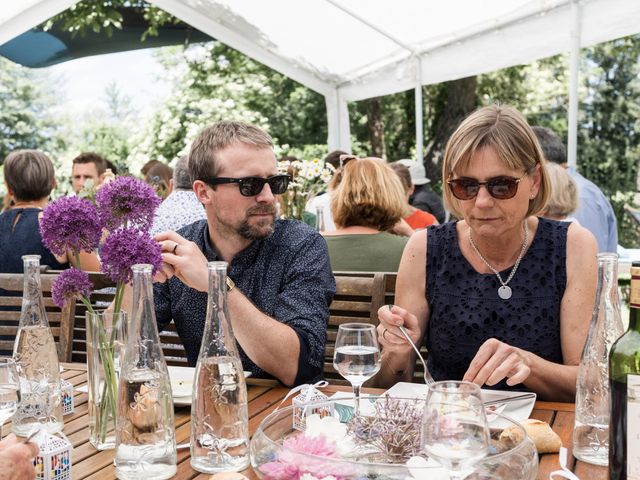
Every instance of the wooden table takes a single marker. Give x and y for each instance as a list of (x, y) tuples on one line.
[(264, 396)]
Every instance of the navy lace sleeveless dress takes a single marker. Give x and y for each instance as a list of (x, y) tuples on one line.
[(465, 310), (23, 238)]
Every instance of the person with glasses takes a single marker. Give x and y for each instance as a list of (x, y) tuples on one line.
[(502, 297), (279, 283)]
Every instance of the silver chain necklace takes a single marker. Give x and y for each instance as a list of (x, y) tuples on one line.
[(504, 292)]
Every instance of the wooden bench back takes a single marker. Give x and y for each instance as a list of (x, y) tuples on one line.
[(60, 321), (101, 297), (358, 298)]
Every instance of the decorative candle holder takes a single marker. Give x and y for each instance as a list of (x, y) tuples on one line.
[(54, 460), (310, 401)]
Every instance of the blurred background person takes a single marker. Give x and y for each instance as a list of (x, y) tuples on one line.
[(416, 218), (423, 197), (323, 200), (181, 207), (87, 166), (594, 211), (563, 200), (159, 176), (29, 179), (366, 202)]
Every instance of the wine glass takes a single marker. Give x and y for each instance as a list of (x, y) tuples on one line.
[(454, 426), (357, 355), (9, 390)]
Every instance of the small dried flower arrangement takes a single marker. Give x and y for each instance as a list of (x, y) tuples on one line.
[(392, 432)]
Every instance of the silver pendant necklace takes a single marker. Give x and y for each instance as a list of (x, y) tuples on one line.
[(504, 292)]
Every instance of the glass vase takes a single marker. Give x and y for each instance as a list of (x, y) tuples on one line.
[(145, 428), (37, 360), (219, 412), (105, 348), (591, 429)]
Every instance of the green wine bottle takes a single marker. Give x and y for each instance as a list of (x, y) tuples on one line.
[(624, 391)]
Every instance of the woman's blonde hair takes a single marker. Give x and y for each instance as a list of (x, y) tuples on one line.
[(369, 195), (563, 200), (505, 130)]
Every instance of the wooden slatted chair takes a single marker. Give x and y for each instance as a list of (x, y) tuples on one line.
[(100, 298), (60, 321), (358, 297)]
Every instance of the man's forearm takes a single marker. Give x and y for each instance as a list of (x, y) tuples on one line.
[(272, 345)]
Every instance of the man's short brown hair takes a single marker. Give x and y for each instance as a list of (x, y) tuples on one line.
[(90, 157), (202, 158), (29, 174)]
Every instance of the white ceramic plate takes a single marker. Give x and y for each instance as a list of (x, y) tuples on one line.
[(182, 384), (518, 410)]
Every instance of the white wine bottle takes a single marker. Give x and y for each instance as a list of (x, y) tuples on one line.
[(624, 375)]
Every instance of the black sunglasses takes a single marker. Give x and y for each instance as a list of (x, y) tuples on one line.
[(501, 188), (252, 186)]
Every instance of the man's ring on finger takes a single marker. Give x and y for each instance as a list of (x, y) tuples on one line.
[(384, 333), (174, 249)]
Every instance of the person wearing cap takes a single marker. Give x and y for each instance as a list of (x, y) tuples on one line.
[(423, 197)]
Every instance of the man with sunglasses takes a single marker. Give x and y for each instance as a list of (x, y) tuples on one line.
[(280, 282)]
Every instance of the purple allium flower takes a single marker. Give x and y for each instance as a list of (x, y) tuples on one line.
[(124, 248), (71, 283), (70, 223), (127, 200)]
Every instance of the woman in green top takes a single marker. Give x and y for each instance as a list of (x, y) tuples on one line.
[(367, 202)]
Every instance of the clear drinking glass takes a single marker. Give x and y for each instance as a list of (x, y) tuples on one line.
[(454, 426), (9, 390), (357, 355)]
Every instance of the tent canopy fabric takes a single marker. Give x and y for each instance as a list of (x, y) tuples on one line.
[(350, 50)]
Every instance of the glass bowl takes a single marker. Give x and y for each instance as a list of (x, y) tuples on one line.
[(271, 459)]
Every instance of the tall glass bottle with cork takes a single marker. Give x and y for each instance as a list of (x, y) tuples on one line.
[(624, 374), (145, 427), (37, 358), (219, 413)]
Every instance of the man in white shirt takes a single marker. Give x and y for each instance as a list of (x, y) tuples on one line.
[(181, 207)]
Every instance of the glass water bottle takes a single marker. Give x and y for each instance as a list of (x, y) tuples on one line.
[(591, 429), (37, 358), (624, 372), (145, 429), (320, 225), (219, 414)]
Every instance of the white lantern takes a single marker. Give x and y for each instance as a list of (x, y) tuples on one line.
[(54, 460), (310, 401), (66, 391)]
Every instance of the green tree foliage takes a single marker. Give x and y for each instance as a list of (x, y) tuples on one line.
[(609, 130), (96, 16), (214, 82), (25, 105)]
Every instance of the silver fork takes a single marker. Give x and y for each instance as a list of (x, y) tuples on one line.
[(428, 379)]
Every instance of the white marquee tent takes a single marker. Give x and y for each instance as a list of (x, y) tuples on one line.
[(350, 50)]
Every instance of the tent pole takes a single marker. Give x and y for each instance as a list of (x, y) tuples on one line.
[(339, 134), (572, 141), (419, 126)]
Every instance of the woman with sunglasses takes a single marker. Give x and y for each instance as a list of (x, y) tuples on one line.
[(502, 298)]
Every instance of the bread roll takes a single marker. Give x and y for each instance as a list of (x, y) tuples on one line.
[(544, 438)]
